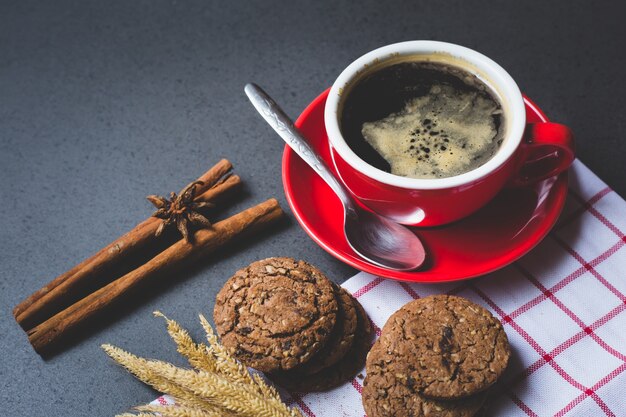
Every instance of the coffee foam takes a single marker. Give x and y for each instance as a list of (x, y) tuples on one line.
[(444, 133)]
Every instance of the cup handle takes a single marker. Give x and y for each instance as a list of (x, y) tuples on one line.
[(546, 150)]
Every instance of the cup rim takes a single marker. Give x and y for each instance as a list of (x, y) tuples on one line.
[(491, 73)]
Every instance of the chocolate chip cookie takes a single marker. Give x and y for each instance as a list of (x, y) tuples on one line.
[(342, 371), (276, 313), (445, 347), (341, 338), (388, 393)]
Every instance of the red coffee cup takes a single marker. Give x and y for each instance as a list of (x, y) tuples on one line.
[(528, 153)]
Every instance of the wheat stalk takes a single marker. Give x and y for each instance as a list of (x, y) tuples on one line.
[(197, 355), (178, 411), (226, 364), (219, 385), (137, 366), (230, 367), (230, 395), (211, 359)]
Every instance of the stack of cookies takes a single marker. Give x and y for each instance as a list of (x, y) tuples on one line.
[(436, 357), (285, 318)]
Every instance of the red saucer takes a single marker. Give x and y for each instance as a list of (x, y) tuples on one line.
[(498, 234)]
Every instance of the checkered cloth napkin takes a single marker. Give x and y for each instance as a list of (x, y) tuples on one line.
[(563, 307)]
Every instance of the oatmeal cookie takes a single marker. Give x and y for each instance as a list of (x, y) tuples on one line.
[(342, 337), (276, 313), (387, 393), (445, 347), (339, 373)]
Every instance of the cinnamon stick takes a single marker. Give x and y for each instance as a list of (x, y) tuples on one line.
[(53, 330), (65, 288)]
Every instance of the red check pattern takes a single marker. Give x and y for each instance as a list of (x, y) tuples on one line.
[(562, 305)]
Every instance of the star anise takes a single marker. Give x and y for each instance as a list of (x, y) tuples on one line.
[(181, 210)]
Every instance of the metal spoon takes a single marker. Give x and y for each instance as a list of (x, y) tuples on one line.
[(375, 238)]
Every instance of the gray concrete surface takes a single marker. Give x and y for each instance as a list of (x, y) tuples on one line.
[(104, 102)]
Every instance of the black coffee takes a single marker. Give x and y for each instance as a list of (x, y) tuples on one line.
[(422, 119)]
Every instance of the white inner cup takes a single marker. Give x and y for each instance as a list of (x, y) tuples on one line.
[(489, 72)]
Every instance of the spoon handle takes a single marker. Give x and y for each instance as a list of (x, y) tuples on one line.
[(280, 122)]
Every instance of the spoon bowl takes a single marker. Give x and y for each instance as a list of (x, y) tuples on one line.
[(383, 242)]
